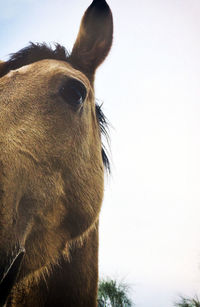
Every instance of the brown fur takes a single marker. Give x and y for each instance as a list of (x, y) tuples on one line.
[(51, 172)]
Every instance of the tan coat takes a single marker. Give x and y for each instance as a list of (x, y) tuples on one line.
[(51, 169)]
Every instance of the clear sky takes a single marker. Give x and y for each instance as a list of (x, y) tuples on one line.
[(149, 228)]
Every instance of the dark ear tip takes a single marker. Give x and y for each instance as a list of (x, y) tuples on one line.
[(98, 1), (100, 4)]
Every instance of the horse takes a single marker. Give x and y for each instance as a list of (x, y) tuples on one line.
[(52, 163)]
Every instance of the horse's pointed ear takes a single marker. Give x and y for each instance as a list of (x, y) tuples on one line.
[(94, 38), (2, 68)]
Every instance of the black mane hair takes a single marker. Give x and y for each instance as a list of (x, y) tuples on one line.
[(36, 52), (103, 125)]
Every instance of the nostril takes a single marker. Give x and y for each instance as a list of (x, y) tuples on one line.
[(73, 92)]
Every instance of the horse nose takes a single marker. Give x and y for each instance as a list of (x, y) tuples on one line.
[(9, 271)]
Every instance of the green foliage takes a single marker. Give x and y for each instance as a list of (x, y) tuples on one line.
[(188, 302), (113, 294)]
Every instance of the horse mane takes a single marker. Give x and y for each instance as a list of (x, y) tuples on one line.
[(36, 52)]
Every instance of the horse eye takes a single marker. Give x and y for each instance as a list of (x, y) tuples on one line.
[(73, 92)]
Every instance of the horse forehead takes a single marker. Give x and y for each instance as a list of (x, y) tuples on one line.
[(50, 67), (21, 70)]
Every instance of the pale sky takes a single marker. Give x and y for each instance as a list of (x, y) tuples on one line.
[(150, 230)]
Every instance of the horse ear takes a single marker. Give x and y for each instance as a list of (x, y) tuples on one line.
[(94, 39), (2, 68)]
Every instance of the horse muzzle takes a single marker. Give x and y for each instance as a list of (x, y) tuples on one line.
[(9, 273)]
